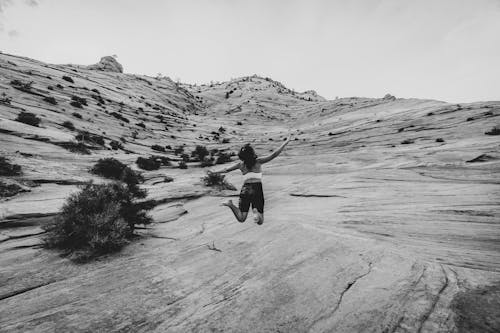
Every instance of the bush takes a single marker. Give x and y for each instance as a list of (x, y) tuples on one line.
[(75, 147), (50, 100), (239, 123), (179, 150), (439, 140), (493, 131), (76, 115), (149, 163), (99, 219), (162, 159), (185, 157), (141, 124), (225, 140), (76, 104), (158, 148), (108, 168), (200, 152), (182, 165), (119, 116), (67, 78), (407, 141), (8, 169), (69, 125), (214, 179), (91, 138), (9, 190), (80, 100), (223, 158), (207, 162), (115, 145), (28, 118), (23, 86)]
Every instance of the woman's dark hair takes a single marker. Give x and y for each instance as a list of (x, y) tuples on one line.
[(247, 155)]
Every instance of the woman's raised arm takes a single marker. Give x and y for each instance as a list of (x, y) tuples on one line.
[(275, 153)]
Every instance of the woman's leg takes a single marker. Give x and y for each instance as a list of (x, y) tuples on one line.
[(240, 216)]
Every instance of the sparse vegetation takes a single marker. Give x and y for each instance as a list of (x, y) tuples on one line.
[(223, 158), (76, 104), (200, 152), (75, 147), (9, 189), (69, 125), (158, 148), (28, 118), (214, 179), (207, 161), (178, 150), (91, 138), (493, 131), (439, 140), (68, 78), (76, 115), (141, 124), (182, 165), (50, 100), (5, 99), (239, 123), (99, 219), (7, 168), (225, 140), (407, 142), (150, 163), (115, 145), (119, 117), (23, 86)]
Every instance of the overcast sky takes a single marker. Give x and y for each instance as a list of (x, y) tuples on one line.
[(440, 49)]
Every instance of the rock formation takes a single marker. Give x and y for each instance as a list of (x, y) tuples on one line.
[(107, 64)]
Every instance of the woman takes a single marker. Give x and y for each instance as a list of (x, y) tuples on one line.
[(251, 191)]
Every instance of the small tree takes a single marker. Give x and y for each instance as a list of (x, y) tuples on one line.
[(8, 169), (200, 152), (149, 163)]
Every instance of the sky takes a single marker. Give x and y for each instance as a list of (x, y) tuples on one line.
[(438, 49)]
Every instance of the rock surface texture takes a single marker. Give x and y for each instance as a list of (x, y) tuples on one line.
[(371, 224)]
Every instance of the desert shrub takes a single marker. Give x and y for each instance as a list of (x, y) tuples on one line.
[(9, 190), (119, 116), (76, 104), (493, 131), (141, 125), (439, 140), (239, 123), (68, 78), (5, 99), (95, 90), (168, 147), (407, 141), (9, 169), (223, 158), (76, 115), (99, 219), (182, 165), (23, 86), (80, 100), (75, 147), (225, 140), (215, 179), (28, 118), (69, 125), (50, 100), (185, 157), (222, 129), (108, 168), (91, 138), (162, 159), (207, 161), (200, 152), (115, 145), (178, 150), (158, 148), (149, 163)]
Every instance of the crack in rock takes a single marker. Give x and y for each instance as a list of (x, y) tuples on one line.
[(337, 306)]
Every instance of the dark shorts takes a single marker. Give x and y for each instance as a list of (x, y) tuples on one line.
[(251, 193)]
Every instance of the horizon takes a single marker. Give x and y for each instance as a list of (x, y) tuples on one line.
[(445, 50)]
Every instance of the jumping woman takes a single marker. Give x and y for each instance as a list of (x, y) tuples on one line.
[(251, 191)]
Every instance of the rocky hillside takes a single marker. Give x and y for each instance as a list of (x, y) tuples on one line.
[(381, 215)]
